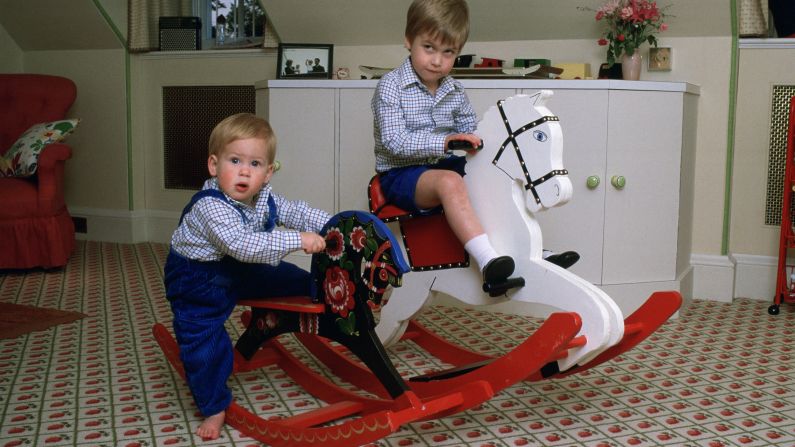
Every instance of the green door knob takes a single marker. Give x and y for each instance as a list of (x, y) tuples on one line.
[(592, 181), (618, 181)]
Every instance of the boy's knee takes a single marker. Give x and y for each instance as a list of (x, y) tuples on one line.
[(451, 183)]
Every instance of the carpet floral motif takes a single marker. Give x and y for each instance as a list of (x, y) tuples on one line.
[(719, 375)]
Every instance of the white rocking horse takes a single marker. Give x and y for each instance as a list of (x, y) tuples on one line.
[(518, 172)]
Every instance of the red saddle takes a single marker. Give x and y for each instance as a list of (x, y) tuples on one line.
[(429, 241)]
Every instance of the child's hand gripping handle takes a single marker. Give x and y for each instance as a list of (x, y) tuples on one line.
[(463, 145)]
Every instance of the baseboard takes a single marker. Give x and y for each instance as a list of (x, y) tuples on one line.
[(755, 276), (126, 227), (713, 277)]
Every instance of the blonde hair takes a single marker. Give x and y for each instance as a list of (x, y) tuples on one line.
[(239, 127), (447, 20)]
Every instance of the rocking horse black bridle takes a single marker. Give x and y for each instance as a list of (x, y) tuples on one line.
[(530, 183)]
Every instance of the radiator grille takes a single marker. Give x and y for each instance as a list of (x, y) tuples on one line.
[(777, 153), (189, 115)]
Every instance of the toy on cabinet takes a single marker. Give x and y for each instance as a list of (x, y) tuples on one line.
[(489, 62)]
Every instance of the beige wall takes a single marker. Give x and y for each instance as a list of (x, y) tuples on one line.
[(117, 12), (97, 173), (150, 73), (10, 54), (760, 70), (98, 176), (102, 158)]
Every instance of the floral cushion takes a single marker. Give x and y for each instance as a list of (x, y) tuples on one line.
[(23, 157)]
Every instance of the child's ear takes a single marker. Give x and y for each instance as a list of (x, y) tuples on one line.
[(212, 165), (407, 43), (269, 173)]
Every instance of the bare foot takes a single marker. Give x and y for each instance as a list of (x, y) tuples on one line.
[(210, 428)]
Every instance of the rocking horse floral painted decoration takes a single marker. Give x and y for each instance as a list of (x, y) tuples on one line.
[(630, 23)]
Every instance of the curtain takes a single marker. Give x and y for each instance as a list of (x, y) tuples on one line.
[(143, 17), (753, 18)]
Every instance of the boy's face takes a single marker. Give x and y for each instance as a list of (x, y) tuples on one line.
[(242, 168), (431, 59)]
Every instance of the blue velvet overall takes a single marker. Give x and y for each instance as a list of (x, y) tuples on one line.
[(203, 295)]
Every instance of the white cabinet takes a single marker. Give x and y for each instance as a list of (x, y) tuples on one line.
[(305, 126), (639, 232), (644, 145), (579, 224), (357, 160), (633, 240)]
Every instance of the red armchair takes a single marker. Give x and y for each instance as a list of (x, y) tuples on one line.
[(36, 229)]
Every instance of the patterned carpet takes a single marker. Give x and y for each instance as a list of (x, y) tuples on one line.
[(720, 375)]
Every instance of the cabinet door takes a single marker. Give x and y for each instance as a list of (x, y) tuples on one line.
[(483, 98), (357, 160), (304, 123), (641, 220), (578, 225)]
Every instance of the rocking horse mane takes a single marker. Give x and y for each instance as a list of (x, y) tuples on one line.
[(362, 254)]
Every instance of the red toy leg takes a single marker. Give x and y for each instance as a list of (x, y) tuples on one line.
[(547, 343)]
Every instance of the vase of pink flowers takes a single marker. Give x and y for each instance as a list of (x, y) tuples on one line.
[(628, 25)]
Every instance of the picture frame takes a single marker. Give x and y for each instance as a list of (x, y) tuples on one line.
[(304, 61), (660, 58)]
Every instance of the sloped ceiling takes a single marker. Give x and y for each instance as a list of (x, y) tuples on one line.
[(78, 24), (379, 22), (57, 25)]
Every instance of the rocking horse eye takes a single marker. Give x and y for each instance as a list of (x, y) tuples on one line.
[(383, 275), (539, 135)]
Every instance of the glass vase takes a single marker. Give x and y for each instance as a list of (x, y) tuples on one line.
[(630, 66)]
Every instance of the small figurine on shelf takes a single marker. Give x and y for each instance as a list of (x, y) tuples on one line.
[(220, 30), (489, 62), (343, 73)]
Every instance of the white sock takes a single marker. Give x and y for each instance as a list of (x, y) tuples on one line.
[(480, 248)]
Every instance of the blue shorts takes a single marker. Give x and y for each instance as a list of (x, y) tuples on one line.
[(400, 184)]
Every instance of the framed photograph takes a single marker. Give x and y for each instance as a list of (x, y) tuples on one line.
[(660, 59), (304, 60)]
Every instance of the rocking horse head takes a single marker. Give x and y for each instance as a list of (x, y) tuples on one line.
[(522, 139), (362, 258)]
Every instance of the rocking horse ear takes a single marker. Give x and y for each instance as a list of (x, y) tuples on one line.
[(541, 97)]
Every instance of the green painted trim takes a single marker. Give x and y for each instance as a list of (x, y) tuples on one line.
[(128, 93), (112, 25), (727, 189)]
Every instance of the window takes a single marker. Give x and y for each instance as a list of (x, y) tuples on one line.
[(238, 20)]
